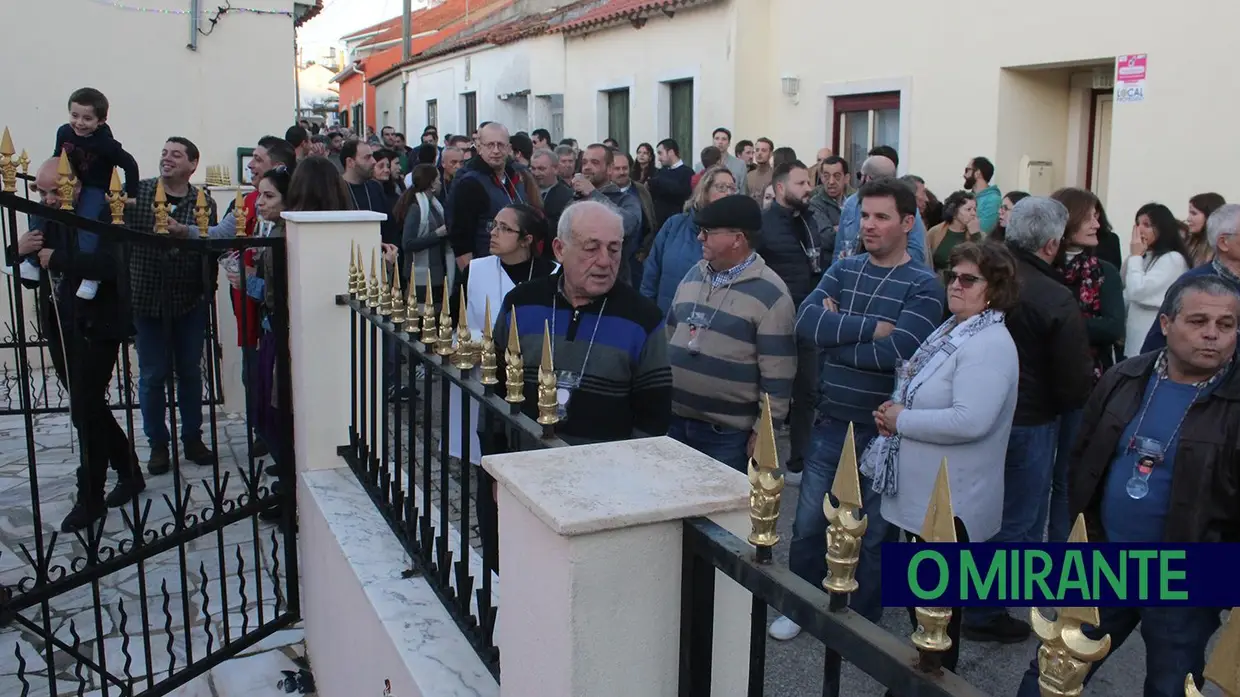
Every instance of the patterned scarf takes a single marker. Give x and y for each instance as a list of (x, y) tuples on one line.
[(1083, 275), (881, 458)]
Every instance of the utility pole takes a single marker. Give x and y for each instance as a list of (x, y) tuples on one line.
[(406, 39)]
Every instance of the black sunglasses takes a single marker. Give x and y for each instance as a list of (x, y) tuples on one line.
[(966, 279)]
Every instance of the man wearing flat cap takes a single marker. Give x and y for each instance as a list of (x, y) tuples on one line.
[(730, 337)]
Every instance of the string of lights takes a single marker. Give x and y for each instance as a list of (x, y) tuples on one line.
[(116, 4)]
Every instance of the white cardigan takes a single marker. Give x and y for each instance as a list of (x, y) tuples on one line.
[(1145, 285), (962, 412)]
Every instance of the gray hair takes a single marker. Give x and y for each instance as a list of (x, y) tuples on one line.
[(544, 152), (452, 148), (1223, 222), (562, 150), (1034, 222), (1210, 284), (878, 167), (913, 180), (564, 230)]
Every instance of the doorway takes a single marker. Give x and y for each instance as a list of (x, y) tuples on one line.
[(1098, 164)]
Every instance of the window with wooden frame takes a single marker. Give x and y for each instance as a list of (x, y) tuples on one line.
[(862, 122)]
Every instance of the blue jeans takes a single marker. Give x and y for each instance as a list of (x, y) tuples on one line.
[(727, 445), (90, 204), (1174, 647), (807, 555), (158, 352), (1059, 524), (1027, 472)]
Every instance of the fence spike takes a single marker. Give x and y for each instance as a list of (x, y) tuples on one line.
[(66, 183), (766, 486), (1066, 654), (398, 302), (372, 290), (847, 525), (1223, 668), (24, 162), (429, 333), (162, 208), (443, 346), (202, 213), (116, 198), (514, 365), (930, 637), (8, 165), (465, 345), (385, 293), (548, 399), (486, 349), (240, 213)]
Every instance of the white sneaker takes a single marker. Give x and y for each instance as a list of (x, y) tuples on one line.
[(87, 289), (30, 270), (784, 629)]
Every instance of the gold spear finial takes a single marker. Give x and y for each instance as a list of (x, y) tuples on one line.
[(1066, 654), (242, 216), (464, 340), (363, 291), (1223, 668), (372, 288), (116, 199), (385, 292), (486, 350), (66, 183), (429, 334), (162, 208), (443, 346), (766, 485), (352, 269), (24, 162), (548, 397), (398, 302), (202, 214), (847, 524), (8, 165), (514, 364), (930, 637)]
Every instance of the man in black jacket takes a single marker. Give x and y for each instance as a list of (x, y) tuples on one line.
[(1055, 370), (556, 195), (1155, 463), (84, 338), (791, 245), (670, 185)]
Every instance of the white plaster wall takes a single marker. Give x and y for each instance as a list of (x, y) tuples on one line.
[(387, 109), (494, 70), (955, 86), (236, 88), (696, 43)]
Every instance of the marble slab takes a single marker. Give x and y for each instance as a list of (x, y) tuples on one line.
[(594, 488), (436, 653)]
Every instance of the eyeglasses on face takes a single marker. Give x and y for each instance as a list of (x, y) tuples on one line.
[(500, 226), (498, 146), (967, 280), (723, 188)]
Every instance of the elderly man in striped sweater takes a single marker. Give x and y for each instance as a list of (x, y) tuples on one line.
[(730, 337)]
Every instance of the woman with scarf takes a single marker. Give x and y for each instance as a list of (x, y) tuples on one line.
[(953, 400), (424, 238), (1099, 290)]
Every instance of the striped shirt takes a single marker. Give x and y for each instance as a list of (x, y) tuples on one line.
[(619, 350), (743, 346), (858, 371)]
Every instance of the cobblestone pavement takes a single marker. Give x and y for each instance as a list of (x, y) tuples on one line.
[(154, 617), (794, 668)]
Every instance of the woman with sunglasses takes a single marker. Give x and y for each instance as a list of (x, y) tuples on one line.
[(954, 401)]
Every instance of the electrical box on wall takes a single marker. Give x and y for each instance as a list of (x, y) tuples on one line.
[(467, 69), (1037, 176)]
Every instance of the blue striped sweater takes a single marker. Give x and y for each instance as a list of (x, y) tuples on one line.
[(857, 371)]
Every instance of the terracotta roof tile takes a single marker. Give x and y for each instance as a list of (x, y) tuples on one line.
[(620, 10), (313, 12)]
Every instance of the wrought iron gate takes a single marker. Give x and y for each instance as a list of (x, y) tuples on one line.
[(194, 570)]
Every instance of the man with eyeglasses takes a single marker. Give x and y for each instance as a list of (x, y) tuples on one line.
[(483, 187), (791, 244)]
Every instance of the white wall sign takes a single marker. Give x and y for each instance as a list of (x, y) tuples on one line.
[(1130, 78)]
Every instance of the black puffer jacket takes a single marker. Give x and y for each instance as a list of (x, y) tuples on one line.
[(1205, 485), (1056, 370), (786, 236)]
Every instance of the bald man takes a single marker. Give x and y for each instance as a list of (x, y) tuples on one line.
[(483, 186), (84, 338), (848, 239)]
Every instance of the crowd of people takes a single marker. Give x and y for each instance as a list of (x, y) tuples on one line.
[(1007, 333)]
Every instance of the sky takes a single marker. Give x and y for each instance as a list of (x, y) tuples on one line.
[(340, 17)]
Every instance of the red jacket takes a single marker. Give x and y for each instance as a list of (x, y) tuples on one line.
[(245, 308)]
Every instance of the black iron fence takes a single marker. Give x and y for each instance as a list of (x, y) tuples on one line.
[(412, 446), (114, 576)]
